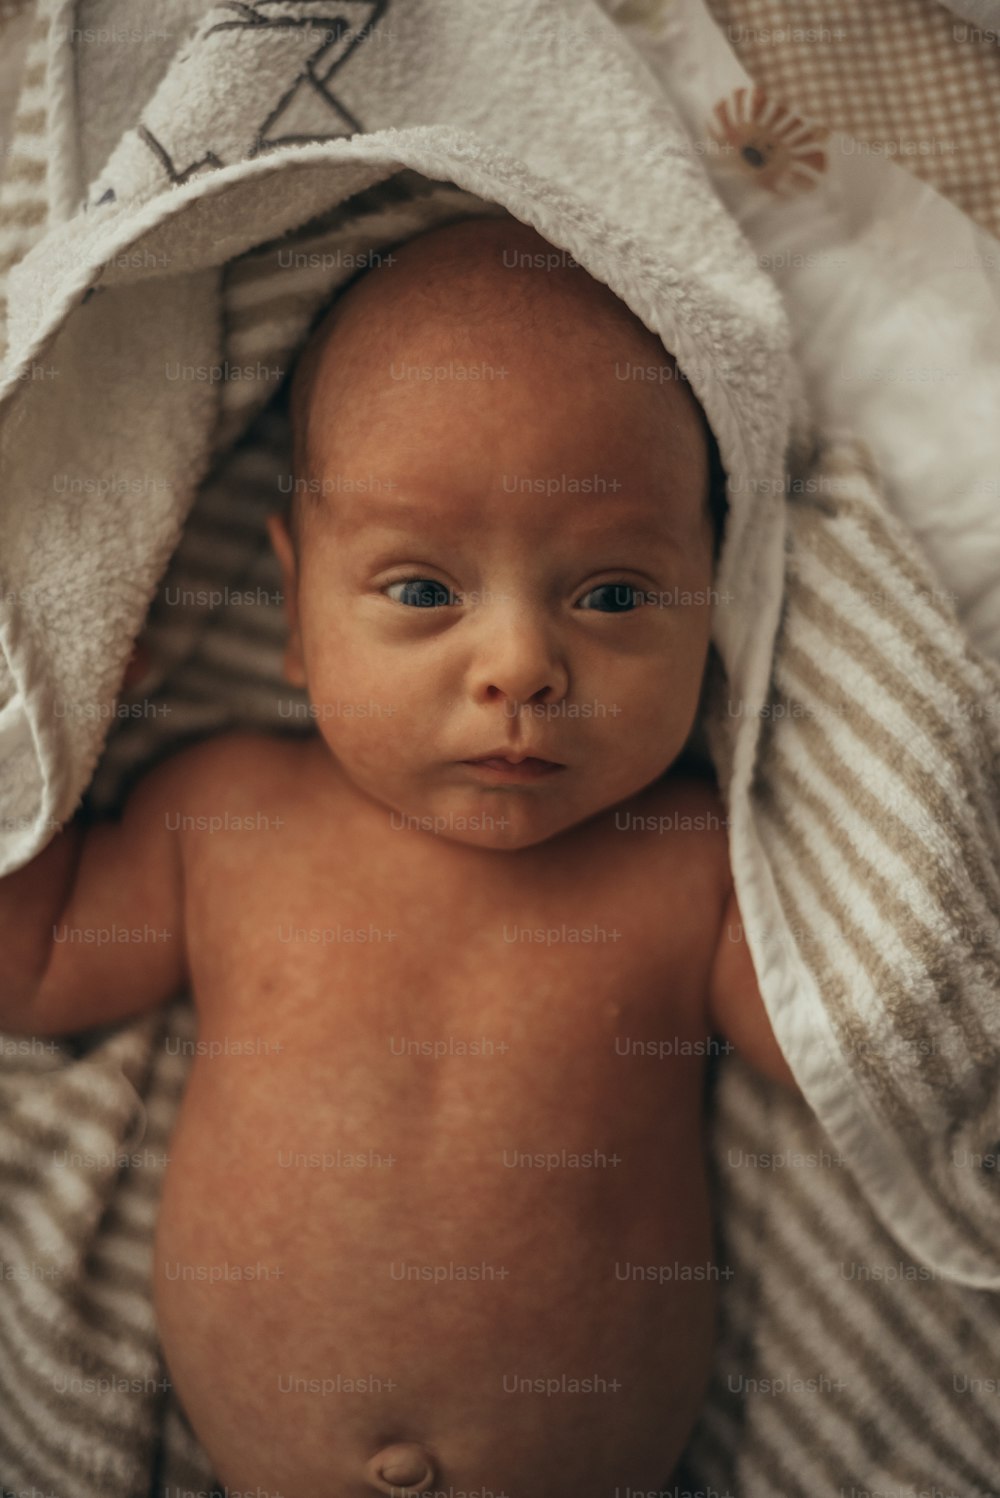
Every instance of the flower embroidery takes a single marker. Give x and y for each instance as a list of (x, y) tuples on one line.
[(762, 139)]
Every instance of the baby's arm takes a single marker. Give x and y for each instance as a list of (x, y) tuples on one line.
[(91, 931), (736, 1009)]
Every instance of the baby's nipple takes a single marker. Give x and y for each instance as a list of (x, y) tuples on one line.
[(401, 1469)]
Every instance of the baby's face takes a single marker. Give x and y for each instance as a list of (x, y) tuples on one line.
[(511, 555)]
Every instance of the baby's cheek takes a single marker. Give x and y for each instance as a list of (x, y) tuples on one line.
[(362, 743), (343, 681), (651, 696)]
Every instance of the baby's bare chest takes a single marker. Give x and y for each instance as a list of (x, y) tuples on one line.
[(394, 1052), (358, 984), (420, 961)]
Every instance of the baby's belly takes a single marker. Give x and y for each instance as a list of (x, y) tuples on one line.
[(503, 1257)]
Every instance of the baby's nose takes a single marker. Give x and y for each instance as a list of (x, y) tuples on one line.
[(522, 673), (401, 1469)]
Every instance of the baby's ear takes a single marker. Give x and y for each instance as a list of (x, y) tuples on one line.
[(277, 529)]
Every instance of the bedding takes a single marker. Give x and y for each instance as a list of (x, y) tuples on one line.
[(861, 762)]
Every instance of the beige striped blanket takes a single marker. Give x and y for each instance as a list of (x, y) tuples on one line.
[(859, 1335)]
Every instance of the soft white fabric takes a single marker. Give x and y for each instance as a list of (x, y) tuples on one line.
[(893, 297)]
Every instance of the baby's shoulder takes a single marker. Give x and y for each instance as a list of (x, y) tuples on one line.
[(682, 825), (236, 769), (686, 802), (249, 749)]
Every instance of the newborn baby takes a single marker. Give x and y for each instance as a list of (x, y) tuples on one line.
[(436, 1216)]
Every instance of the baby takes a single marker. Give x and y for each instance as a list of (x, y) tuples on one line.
[(436, 1216)]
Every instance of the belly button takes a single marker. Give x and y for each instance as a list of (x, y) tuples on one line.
[(401, 1469)]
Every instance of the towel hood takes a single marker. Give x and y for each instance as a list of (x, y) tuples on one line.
[(274, 124)]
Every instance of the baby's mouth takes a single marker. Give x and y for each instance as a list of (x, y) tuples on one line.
[(514, 767)]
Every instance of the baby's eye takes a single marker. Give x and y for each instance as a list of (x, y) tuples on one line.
[(614, 598), (420, 592)]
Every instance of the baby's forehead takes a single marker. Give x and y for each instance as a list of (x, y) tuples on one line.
[(551, 520), (539, 353), (543, 373), (466, 284)]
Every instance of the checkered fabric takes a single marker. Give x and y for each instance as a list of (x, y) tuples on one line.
[(907, 79)]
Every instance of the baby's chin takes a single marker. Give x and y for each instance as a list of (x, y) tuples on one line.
[(503, 820), (507, 823)]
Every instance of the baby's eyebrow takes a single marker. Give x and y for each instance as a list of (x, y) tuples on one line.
[(397, 505), (367, 517), (407, 512), (653, 533)]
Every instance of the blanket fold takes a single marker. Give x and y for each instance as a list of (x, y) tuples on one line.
[(881, 746)]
